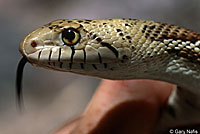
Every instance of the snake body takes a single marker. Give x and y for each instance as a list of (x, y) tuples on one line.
[(121, 49)]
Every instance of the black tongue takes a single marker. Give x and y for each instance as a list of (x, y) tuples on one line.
[(19, 77)]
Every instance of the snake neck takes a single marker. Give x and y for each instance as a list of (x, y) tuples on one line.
[(168, 68)]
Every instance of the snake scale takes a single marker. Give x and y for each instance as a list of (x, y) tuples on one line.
[(122, 49)]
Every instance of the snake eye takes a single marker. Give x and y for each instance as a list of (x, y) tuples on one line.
[(70, 36)]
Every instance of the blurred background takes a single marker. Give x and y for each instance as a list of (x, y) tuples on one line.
[(54, 98)]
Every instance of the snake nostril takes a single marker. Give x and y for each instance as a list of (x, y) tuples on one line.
[(33, 44)]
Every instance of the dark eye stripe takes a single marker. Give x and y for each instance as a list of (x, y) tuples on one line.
[(111, 48)]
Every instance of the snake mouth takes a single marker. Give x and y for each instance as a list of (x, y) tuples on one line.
[(19, 78)]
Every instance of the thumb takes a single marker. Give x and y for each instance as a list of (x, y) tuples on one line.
[(123, 107)]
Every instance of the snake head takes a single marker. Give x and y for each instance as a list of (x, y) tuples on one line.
[(79, 46)]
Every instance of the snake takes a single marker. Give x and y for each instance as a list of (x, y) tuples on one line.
[(123, 49)]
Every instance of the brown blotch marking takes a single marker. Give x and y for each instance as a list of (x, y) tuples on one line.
[(128, 37), (86, 22), (94, 36), (53, 26), (155, 34), (50, 27), (174, 33), (99, 39), (182, 35), (127, 25), (159, 29), (152, 27), (160, 39), (80, 21), (165, 32), (85, 30), (178, 33), (121, 34), (189, 54), (149, 31), (176, 30), (147, 35), (90, 33), (55, 30), (152, 38), (132, 19), (59, 27), (164, 36), (69, 21), (144, 29), (168, 29), (104, 23), (118, 30)]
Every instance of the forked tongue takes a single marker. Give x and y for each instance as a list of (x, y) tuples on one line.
[(19, 77)]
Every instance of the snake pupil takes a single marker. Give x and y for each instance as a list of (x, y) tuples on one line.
[(69, 34)]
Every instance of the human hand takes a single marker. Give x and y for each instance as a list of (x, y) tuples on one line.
[(122, 107)]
